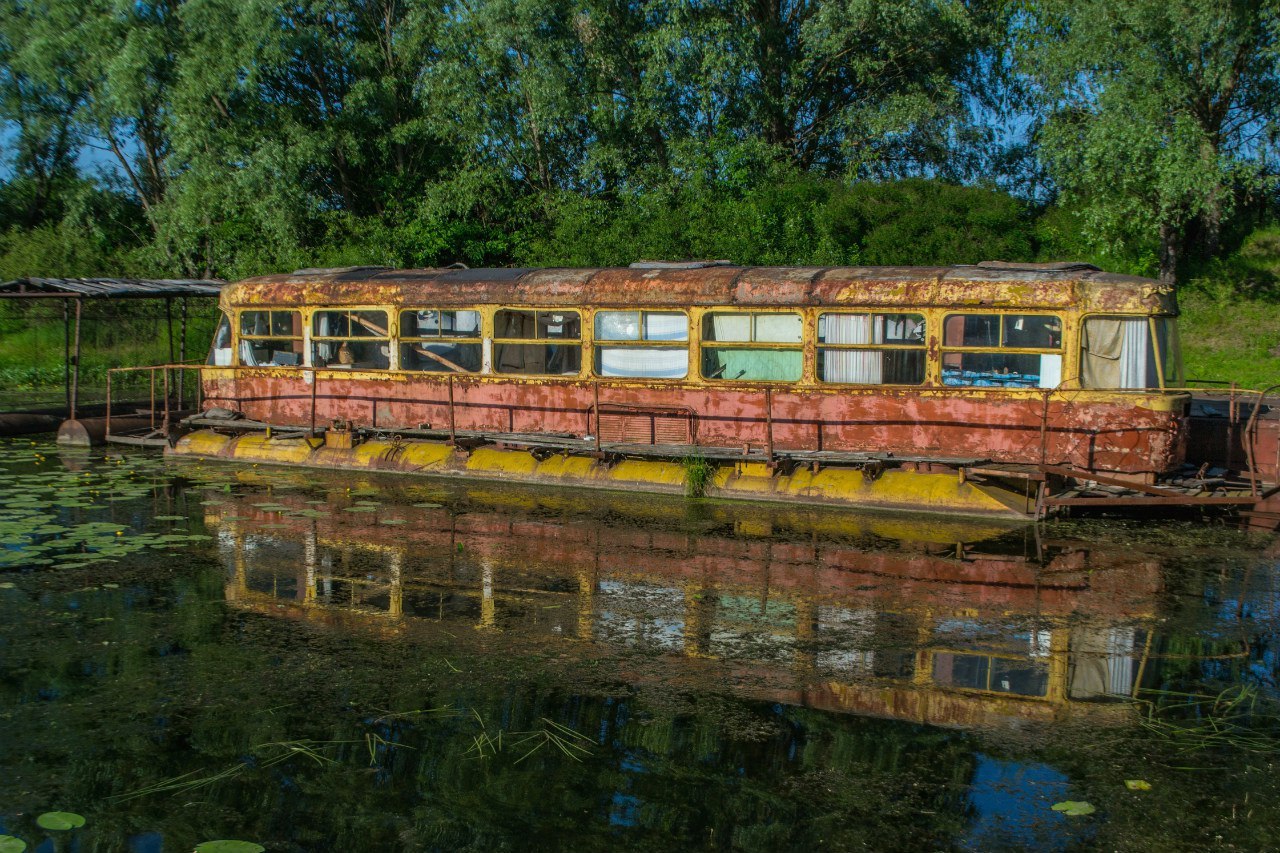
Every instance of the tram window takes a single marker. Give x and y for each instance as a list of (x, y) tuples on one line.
[(220, 354), (350, 340), (270, 338), (645, 356), (848, 351), (558, 351), (1117, 353), (437, 341), (990, 673), (1014, 350), (727, 351)]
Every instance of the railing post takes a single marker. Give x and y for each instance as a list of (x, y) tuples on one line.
[(595, 390), (315, 380), (109, 372), (151, 403), (165, 423), (453, 432), (768, 425), (1044, 429)]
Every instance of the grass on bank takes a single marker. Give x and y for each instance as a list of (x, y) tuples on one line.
[(1230, 339)]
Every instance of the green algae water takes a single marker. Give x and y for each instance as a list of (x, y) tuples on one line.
[(196, 652)]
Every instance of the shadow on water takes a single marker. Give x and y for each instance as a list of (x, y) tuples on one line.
[(194, 651)]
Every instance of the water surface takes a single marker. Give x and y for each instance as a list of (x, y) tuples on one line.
[(192, 651)]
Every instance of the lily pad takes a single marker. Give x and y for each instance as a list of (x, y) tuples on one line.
[(9, 844), (60, 820), (1074, 808), (229, 847), (362, 509), (1137, 784), (170, 518), (426, 505), (392, 521)]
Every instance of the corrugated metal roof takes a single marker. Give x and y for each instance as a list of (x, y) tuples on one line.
[(113, 288)]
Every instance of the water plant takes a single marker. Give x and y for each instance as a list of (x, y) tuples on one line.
[(698, 473), (1238, 717), (229, 846), (60, 821)]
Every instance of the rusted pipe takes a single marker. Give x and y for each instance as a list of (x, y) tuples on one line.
[(595, 389), (315, 380)]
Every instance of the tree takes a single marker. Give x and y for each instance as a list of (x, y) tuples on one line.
[(1159, 114)]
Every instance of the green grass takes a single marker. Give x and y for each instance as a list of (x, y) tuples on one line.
[(1229, 340), (32, 353)]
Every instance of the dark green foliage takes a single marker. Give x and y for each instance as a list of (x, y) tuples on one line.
[(232, 139)]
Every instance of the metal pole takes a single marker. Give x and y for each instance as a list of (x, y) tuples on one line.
[(66, 352), (165, 422), (75, 369), (168, 318), (182, 352), (315, 380), (768, 424), (453, 433), (595, 387), (151, 406), (109, 372), (1044, 430)]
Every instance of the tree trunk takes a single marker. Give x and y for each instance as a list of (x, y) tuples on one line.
[(1171, 238)]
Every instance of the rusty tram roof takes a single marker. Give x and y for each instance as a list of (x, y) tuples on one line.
[(989, 284), (111, 288)]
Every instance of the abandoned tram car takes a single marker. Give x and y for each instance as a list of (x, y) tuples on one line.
[(961, 388)]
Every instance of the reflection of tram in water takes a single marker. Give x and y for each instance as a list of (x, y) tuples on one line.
[(934, 631)]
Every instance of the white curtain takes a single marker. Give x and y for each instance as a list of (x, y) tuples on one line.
[(1133, 355), (779, 328), (854, 367), (732, 327), (648, 362), (1050, 371), (1117, 354), (666, 327), (326, 350), (1120, 663)]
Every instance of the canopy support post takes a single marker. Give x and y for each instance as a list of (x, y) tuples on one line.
[(182, 351), (66, 353), (75, 366)]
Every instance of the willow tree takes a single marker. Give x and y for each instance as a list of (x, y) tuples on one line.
[(1158, 114)]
